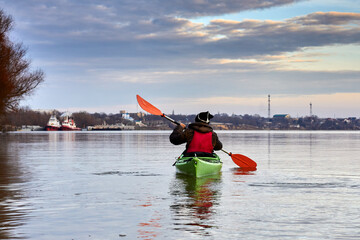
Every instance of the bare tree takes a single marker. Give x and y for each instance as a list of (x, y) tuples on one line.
[(16, 78)]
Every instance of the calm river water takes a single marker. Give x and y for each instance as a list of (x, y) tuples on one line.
[(122, 185)]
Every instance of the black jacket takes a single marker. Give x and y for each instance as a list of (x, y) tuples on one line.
[(181, 135)]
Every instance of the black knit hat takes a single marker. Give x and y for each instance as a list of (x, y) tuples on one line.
[(203, 117)]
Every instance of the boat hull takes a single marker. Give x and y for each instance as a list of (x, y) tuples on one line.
[(52, 128), (65, 128), (198, 166)]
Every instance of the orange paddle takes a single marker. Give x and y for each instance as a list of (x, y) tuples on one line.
[(240, 160), (152, 109)]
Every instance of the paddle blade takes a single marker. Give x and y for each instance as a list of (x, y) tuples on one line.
[(243, 161), (148, 107)]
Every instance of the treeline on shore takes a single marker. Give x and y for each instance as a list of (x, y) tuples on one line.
[(222, 121)]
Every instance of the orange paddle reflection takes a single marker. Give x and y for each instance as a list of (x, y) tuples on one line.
[(244, 171), (148, 230)]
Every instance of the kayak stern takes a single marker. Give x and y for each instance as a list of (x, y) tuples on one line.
[(198, 166)]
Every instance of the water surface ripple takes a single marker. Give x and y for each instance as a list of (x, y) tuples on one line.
[(122, 185)]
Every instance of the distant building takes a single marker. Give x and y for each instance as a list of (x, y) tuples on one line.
[(281, 116), (127, 117), (222, 126), (140, 124), (140, 114)]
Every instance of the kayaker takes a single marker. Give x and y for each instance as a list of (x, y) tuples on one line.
[(199, 136)]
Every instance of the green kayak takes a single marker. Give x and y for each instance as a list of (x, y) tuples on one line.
[(198, 166)]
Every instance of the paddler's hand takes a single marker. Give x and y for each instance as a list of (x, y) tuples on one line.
[(182, 125)]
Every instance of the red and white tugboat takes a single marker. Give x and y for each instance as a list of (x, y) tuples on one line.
[(69, 125), (53, 124)]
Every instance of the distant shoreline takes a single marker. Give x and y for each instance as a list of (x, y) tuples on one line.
[(27, 119)]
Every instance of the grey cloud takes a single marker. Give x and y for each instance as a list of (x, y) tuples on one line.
[(251, 37), (143, 28), (130, 9), (328, 18), (138, 32), (194, 8), (168, 37), (278, 42), (88, 17)]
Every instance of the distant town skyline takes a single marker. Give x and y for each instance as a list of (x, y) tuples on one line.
[(194, 55)]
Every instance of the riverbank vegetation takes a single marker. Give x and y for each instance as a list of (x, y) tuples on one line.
[(17, 79)]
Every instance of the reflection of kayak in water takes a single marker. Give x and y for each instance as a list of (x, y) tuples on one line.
[(201, 194), (191, 185), (198, 166)]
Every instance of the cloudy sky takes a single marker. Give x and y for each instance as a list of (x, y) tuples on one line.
[(193, 55)]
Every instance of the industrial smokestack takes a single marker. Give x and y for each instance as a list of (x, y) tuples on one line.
[(269, 106)]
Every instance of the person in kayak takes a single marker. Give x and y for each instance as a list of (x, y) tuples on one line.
[(199, 137)]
